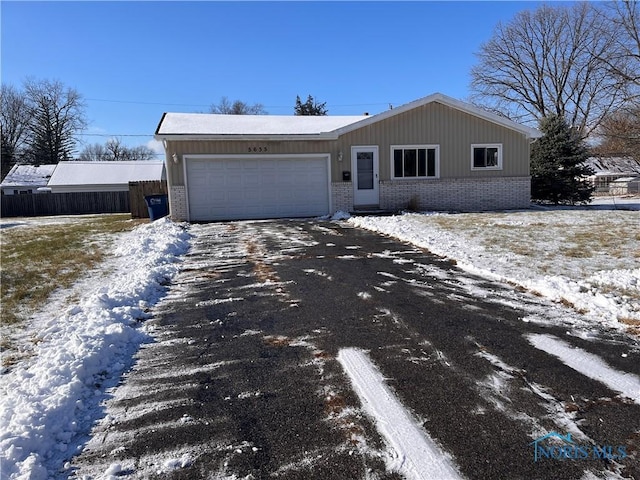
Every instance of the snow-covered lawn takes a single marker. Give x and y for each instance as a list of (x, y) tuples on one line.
[(586, 259), (51, 400)]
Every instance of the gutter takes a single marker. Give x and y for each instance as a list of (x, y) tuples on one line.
[(236, 137)]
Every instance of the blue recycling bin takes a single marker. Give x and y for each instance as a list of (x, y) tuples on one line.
[(158, 206)]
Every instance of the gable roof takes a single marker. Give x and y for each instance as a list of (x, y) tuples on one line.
[(105, 173), (28, 176), (450, 102), (203, 126)]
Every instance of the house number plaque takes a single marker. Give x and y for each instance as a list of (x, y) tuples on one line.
[(257, 149)]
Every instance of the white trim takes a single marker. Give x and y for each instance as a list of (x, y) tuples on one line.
[(186, 187), (241, 156), (435, 147), (487, 145), (245, 137), (246, 156), (375, 192)]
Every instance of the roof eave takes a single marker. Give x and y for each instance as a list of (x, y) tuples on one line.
[(238, 137)]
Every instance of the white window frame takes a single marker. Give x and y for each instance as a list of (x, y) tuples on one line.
[(487, 145), (409, 147)]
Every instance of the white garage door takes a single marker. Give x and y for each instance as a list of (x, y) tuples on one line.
[(259, 187)]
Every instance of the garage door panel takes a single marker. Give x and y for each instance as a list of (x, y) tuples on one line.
[(251, 188)]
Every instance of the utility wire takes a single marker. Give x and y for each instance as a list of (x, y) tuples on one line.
[(114, 135), (135, 102), (208, 105)]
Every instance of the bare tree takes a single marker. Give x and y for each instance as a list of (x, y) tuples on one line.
[(57, 114), (550, 62), (620, 134), (624, 16), (14, 125), (237, 107), (93, 153), (620, 130), (115, 151), (142, 153)]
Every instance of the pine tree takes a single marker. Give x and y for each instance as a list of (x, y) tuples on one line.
[(310, 107), (558, 172)]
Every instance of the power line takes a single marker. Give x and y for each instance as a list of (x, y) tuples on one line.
[(386, 104), (114, 135), (147, 103), (137, 102)]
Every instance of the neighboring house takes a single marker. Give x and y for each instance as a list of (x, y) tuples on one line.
[(436, 153), (103, 176), (625, 186), (611, 169), (26, 179)]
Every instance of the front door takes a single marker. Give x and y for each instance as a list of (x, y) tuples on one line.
[(364, 164)]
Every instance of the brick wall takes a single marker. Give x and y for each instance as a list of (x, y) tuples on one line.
[(178, 203), (464, 194), (342, 196)]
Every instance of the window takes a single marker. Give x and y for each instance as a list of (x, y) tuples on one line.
[(487, 157), (420, 161)]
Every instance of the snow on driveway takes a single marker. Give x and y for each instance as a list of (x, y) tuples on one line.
[(415, 454), (589, 365), (50, 403)]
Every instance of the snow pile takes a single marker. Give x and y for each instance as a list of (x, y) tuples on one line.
[(605, 295), (48, 406), (340, 215)]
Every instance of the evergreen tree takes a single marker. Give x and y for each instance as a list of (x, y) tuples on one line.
[(310, 107), (558, 172)]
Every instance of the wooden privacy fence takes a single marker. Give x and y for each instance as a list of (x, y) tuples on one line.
[(139, 190), (76, 203)]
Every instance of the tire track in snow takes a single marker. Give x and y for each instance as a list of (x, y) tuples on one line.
[(416, 455), (589, 365)]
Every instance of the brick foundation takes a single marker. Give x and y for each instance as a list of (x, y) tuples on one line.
[(459, 194), (341, 197), (178, 203)]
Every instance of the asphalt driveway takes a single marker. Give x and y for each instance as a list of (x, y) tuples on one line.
[(243, 379)]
